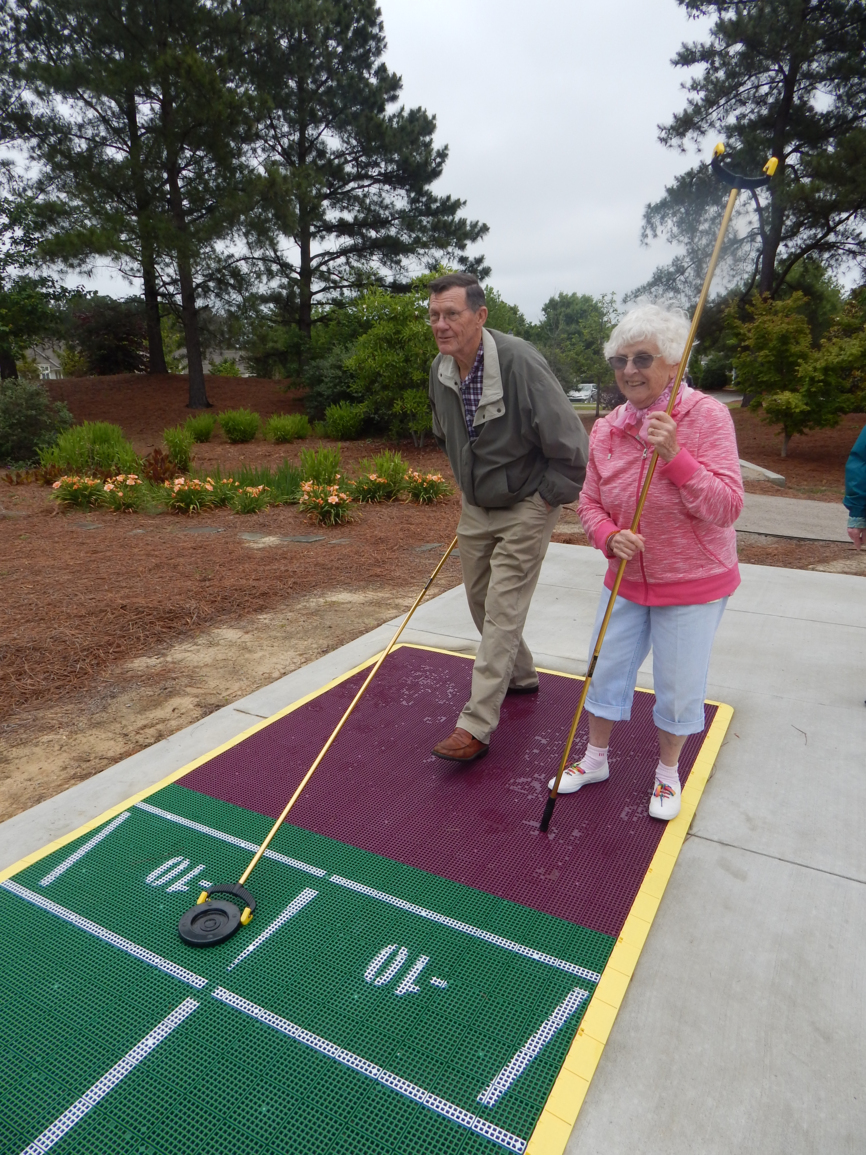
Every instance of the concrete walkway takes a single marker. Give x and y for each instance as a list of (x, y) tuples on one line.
[(790, 517), (742, 1030)]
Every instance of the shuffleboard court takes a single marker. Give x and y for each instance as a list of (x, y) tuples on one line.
[(424, 973)]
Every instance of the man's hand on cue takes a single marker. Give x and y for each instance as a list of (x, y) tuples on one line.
[(626, 545), (662, 435)]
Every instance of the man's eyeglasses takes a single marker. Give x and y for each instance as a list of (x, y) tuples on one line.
[(639, 360), (448, 317)]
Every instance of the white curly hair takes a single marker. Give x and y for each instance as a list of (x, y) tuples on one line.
[(667, 326)]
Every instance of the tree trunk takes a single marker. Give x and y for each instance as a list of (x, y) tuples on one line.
[(8, 368), (305, 269), (143, 204), (305, 292), (198, 398), (773, 237), (156, 351), (786, 437)]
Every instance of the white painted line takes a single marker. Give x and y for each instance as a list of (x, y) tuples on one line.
[(465, 928), (109, 1081), (515, 1068), (82, 850), (306, 895), (387, 1078), (443, 920), (241, 842), (108, 936)]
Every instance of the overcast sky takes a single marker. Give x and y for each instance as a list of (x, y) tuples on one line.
[(550, 111)]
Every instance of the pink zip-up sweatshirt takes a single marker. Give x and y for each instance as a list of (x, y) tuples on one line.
[(688, 520)]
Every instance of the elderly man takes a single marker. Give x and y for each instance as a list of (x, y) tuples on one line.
[(518, 451)]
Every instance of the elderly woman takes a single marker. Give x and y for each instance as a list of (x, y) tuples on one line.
[(681, 565)]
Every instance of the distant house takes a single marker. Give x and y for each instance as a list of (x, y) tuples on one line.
[(214, 356), (47, 361)]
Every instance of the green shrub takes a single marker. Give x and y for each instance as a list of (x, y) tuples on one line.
[(326, 504), (92, 447), (250, 498), (321, 465), (369, 487), (393, 356), (111, 335), (284, 427), (426, 488), (29, 421), (393, 468), (389, 471), (228, 367), (344, 420), (414, 412), (239, 425), (179, 442), (201, 427)]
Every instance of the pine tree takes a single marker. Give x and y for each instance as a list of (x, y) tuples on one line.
[(774, 77), (350, 198), (132, 114)]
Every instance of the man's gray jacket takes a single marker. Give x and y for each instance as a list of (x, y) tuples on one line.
[(530, 441)]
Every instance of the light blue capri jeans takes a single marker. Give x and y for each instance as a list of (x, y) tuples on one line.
[(681, 639)]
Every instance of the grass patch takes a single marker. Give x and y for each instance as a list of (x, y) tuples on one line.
[(382, 476), (321, 465), (179, 442)]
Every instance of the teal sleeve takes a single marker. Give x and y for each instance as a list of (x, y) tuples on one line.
[(855, 478)]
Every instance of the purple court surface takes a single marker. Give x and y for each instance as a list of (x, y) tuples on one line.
[(380, 789)]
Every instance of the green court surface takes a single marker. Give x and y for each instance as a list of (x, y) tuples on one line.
[(383, 1009)]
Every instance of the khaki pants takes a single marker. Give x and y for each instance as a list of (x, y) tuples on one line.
[(501, 551)]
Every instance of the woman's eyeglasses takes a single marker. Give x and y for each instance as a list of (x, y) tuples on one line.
[(639, 360)]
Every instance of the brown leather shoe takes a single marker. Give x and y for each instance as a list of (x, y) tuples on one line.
[(460, 747)]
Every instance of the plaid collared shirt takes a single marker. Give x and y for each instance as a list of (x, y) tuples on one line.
[(470, 391)]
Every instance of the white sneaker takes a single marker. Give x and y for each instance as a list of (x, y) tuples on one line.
[(575, 777), (665, 801)]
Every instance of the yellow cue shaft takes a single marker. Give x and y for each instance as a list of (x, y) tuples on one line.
[(343, 720)]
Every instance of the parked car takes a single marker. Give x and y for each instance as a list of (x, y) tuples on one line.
[(584, 393)]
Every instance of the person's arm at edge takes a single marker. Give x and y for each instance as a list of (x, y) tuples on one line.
[(561, 435), (438, 431), (855, 478), (596, 522)]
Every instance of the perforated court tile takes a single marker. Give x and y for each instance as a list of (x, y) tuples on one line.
[(419, 966)]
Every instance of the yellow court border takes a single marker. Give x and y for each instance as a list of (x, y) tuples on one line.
[(560, 1111)]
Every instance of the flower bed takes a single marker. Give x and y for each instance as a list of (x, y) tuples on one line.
[(326, 504)]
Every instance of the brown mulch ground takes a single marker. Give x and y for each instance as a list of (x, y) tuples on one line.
[(815, 465), (82, 591)]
